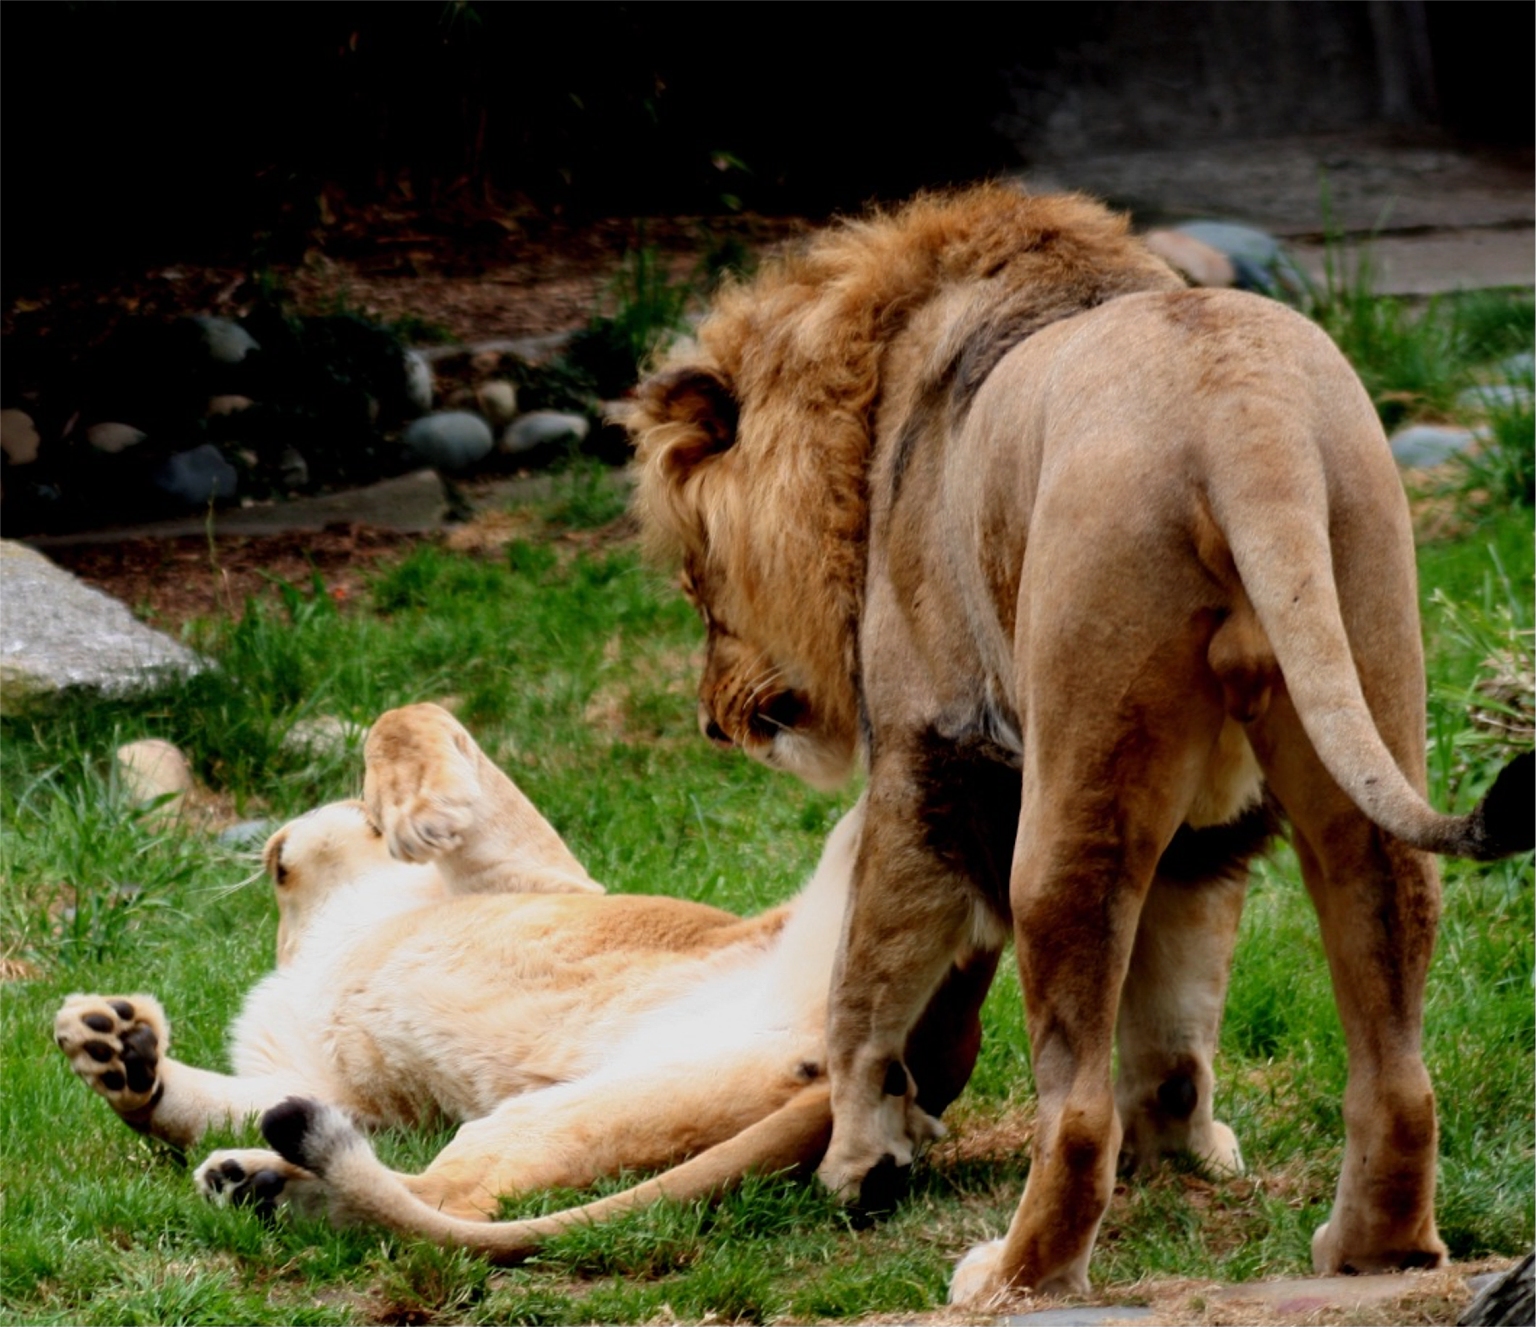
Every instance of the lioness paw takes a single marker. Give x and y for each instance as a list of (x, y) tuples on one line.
[(115, 1043), (254, 1177), (422, 782)]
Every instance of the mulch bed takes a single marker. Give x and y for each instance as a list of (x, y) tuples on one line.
[(167, 582)]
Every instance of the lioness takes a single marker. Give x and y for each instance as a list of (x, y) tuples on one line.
[(442, 954), (1100, 575)]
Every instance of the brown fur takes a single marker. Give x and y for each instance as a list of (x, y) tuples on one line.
[(1080, 562)]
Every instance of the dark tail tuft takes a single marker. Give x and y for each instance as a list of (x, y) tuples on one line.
[(287, 1127), (1504, 822)]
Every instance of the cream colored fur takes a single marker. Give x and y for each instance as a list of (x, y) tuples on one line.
[(1078, 561), (490, 981)]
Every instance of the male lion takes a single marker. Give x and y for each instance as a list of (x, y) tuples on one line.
[(442, 954), (1101, 576)]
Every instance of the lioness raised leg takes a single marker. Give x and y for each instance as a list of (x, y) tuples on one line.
[(437, 797)]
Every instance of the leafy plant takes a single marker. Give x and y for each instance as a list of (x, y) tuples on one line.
[(648, 306)]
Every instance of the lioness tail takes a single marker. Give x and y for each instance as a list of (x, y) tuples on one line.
[(323, 1140)]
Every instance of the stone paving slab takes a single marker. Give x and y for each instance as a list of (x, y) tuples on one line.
[(410, 504), (1437, 262)]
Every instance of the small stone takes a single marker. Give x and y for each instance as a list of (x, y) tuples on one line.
[(1258, 261), (228, 405), (497, 400), (293, 468), (1424, 445), (1494, 396), (325, 736), (543, 426), (449, 440), (226, 342), (19, 438), (112, 437), (247, 834), (154, 771), (1196, 261), (419, 382), (197, 477), (1519, 366)]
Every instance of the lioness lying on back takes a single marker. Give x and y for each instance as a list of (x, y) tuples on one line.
[(442, 954)]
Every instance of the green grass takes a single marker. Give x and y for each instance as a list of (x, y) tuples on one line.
[(576, 671)]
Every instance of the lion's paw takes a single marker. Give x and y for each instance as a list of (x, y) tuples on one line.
[(115, 1043), (422, 784), (974, 1285), (254, 1177)]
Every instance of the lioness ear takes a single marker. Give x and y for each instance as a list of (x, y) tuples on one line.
[(699, 399)]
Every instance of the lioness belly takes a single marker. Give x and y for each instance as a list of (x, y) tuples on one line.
[(465, 1005)]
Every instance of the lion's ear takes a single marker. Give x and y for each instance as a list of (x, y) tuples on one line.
[(700, 400)]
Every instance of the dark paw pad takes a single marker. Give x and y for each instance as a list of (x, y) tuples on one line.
[(287, 1125)]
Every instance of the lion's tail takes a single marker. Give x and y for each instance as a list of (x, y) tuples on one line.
[(1286, 567), (323, 1140)]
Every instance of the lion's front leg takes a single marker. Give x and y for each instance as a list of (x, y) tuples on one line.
[(437, 797), (914, 907), (119, 1044)]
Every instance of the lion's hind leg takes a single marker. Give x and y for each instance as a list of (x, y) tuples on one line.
[(437, 797), (1378, 903)]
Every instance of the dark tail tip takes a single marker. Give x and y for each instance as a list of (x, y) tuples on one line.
[(287, 1127), (1504, 822)]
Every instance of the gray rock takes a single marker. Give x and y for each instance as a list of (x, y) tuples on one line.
[(19, 438), (450, 439), (56, 632), (226, 342), (542, 426), (1494, 396), (197, 477), (1424, 445), (419, 382), (1518, 367), (325, 735), (112, 437)]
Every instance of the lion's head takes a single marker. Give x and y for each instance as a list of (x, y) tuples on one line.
[(754, 440)]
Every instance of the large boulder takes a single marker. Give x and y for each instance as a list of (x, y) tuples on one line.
[(57, 632)]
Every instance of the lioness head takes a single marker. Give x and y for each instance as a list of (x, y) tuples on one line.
[(754, 441), (309, 857)]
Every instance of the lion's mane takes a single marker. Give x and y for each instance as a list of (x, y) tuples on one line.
[(754, 438)]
